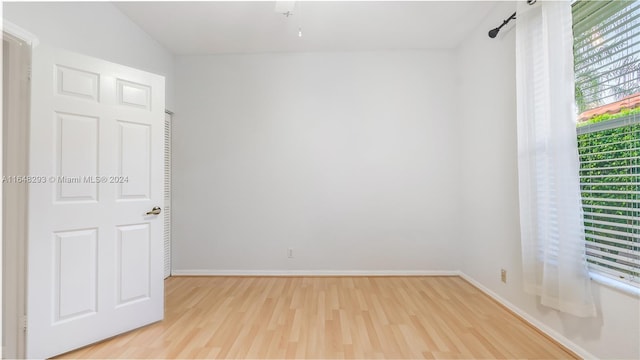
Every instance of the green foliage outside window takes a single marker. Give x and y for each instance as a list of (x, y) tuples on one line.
[(610, 177)]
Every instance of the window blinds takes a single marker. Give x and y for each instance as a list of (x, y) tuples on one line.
[(610, 184), (606, 51), (607, 70)]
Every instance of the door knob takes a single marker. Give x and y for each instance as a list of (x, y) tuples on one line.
[(155, 211)]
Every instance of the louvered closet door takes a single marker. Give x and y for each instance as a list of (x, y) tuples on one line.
[(167, 195), (95, 254)]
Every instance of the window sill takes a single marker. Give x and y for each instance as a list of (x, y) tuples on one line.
[(625, 288)]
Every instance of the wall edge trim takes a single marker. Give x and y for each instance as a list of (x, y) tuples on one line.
[(545, 329), (213, 272)]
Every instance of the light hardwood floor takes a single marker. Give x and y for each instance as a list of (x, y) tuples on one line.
[(329, 317)]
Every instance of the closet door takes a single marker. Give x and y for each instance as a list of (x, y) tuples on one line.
[(167, 194)]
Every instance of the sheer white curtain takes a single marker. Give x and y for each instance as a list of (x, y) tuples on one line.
[(552, 231)]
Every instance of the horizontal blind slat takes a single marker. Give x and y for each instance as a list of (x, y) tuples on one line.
[(612, 208), (592, 185), (629, 168), (626, 257), (622, 243), (630, 158), (630, 227), (596, 245), (583, 138), (633, 147), (612, 232), (612, 216), (615, 265)]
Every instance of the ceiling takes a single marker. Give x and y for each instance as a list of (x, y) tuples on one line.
[(189, 28)]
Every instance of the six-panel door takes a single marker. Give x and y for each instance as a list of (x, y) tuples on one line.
[(95, 258)]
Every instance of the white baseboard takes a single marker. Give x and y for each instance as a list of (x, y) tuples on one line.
[(207, 272), (531, 320)]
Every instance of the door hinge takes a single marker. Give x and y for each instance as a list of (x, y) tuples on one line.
[(29, 73), (24, 323)]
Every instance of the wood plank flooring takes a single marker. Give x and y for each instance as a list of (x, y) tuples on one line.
[(329, 318)]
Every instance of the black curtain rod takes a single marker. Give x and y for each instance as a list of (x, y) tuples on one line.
[(494, 32)]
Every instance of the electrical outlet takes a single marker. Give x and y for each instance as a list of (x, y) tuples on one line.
[(503, 275), (290, 252)]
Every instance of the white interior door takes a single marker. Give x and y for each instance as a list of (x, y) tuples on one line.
[(95, 258)]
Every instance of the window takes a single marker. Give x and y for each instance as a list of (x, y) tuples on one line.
[(607, 87)]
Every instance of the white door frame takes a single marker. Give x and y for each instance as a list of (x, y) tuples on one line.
[(14, 234)]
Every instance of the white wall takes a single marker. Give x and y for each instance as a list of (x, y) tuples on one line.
[(349, 158), (95, 29), (490, 199)]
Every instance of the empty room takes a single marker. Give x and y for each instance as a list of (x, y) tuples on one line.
[(321, 180)]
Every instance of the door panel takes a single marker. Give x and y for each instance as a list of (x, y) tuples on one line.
[(95, 258), (76, 82), (134, 142), (76, 155), (133, 263), (75, 269), (134, 95)]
